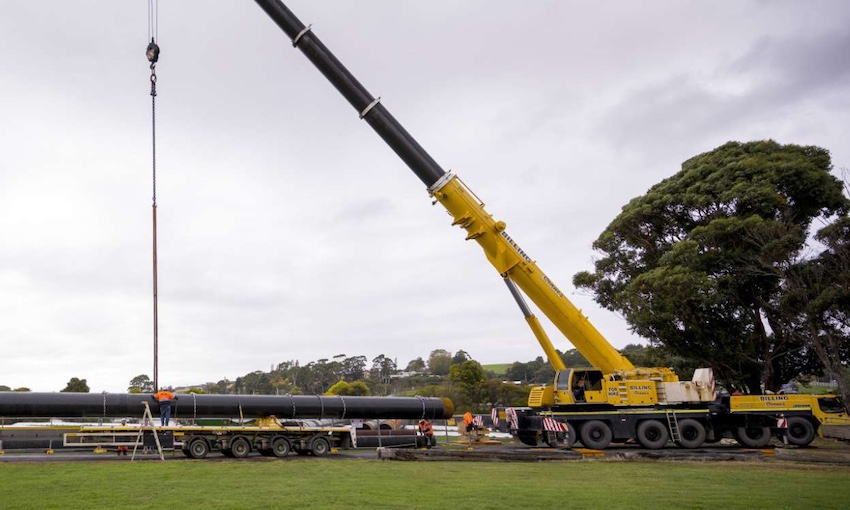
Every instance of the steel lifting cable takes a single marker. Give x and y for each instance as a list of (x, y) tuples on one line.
[(422, 401), (342, 400), (152, 53), (194, 408)]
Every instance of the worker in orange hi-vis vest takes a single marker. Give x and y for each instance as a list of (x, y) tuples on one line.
[(164, 397), (471, 427), (428, 431)]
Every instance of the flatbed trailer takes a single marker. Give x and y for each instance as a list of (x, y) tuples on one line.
[(268, 437)]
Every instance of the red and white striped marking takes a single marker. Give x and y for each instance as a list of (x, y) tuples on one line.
[(552, 425), (510, 415)]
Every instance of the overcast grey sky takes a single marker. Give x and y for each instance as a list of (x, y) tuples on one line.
[(289, 230)]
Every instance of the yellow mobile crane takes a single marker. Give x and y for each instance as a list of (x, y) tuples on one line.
[(614, 400)]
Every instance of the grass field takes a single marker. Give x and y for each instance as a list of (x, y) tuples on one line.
[(497, 368), (351, 483)]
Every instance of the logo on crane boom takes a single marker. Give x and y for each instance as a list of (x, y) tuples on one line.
[(515, 246)]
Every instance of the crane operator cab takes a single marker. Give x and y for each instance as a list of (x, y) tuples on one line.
[(579, 386)]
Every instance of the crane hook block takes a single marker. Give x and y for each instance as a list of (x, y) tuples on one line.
[(152, 52)]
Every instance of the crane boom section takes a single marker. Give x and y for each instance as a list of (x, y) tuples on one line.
[(511, 261), (468, 212)]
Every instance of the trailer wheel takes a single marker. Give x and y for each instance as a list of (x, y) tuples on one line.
[(753, 436), (652, 434), (800, 431), (691, 433), (198, 448), (240, 447), (320, 446), (596, 434), (280, 447)]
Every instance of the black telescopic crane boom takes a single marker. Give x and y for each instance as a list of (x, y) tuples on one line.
[(369, 108)]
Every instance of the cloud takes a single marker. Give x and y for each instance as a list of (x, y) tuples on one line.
[(766, 86), (288, 230)]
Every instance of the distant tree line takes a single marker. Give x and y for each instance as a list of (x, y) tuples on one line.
[(456, 376), (75, 385)]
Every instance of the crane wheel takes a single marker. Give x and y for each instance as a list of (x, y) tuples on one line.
[(596, 434), (691, 433), (753, 436), (652, 434), (800, 431)]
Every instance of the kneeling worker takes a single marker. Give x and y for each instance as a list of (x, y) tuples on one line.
[(428, 431)]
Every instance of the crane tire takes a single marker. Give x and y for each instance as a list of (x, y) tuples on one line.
[(800, 431), (596, 434), (691, 433), (652, 434), (571, 436), (753, 436)]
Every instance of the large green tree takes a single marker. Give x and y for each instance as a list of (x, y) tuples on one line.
[(470, 384), (817, 303), (697, 264), (439, 362), (350, 389), (254, 383), (415, 365), (141, 384), (76, 385)]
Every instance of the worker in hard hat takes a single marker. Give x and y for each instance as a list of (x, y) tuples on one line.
[(165, 398)]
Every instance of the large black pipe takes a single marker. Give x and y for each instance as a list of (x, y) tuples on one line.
[(120, 405), (387, 127)]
